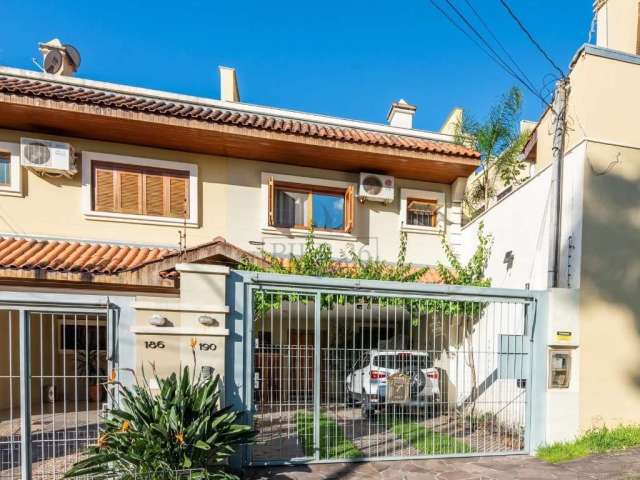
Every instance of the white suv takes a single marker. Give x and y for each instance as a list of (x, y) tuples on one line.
[(367, 382)]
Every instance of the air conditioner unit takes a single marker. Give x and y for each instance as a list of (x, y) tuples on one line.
[(379, 188), (46, 156)]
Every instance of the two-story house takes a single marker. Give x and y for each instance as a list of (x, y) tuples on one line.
[(107, 191)]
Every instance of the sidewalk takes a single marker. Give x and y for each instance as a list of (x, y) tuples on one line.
[(624, 466)]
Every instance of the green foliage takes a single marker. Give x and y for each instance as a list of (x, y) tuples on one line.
[(597, 440), (316, 261), (153, 435), (426, 441), (333, 442), (499, 142), (473, 273)]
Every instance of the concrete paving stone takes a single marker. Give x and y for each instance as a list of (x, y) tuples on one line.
[(623, 466)]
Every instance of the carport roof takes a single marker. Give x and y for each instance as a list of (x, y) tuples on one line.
[(41, 260)]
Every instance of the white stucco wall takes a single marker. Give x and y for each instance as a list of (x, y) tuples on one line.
[(520, 224)]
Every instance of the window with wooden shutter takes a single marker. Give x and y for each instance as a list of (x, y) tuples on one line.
[(349, 209), (272, 203), (294, 205), (178, 197), (104, 188), (140, 190)]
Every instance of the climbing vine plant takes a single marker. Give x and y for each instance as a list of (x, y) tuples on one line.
[(316, 260)]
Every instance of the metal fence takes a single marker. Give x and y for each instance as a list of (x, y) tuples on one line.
[(344, 373), (54, 366)]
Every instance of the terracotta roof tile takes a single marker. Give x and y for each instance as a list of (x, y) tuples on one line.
[(93, 96), (62, 256)]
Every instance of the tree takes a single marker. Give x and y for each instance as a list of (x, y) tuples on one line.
[(499, 142)]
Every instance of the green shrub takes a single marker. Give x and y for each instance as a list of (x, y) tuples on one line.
[(153, 435)]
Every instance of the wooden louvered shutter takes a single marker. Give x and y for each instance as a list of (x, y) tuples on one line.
[(349, 209), (104, 185), (130, 192), (178, 197), (272, 203), (154, 195)]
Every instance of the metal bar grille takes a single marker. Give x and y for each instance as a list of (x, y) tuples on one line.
[(54, 369), (359, 375)]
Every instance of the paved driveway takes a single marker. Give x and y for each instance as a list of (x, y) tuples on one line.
[(623, 466)]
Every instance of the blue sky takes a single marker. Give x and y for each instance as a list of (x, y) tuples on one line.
[(349, 58)]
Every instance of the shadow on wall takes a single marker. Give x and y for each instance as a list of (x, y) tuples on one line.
[(610, 249)]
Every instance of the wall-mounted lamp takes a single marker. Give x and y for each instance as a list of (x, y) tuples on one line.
[(206, 320), (158, 320)]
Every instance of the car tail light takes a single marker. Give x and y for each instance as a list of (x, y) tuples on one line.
[(434, 374), (376, 375)]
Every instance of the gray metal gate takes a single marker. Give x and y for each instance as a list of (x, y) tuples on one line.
[(55, 361), (354, 370)]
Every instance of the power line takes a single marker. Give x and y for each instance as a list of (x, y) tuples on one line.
[(489, 51), (497, 40), (530, 36)]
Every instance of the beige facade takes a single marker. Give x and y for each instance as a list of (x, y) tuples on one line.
[(602, 144), (230, 204)]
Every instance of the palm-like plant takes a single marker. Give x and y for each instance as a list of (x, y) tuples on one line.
[(499, 142), (154, 435)]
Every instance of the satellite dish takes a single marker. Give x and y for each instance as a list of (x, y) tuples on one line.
[(53, 61), (73, 54)]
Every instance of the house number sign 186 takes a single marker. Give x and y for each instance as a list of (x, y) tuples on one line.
[(153, 345)]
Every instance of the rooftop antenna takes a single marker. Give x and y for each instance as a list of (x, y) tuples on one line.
[(35, 62)]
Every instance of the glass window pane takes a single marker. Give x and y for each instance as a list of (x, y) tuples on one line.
[(5, 169), (291, 208), (328, 211)]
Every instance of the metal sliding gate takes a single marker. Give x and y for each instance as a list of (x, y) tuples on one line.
[(365, 371), (54, 364)]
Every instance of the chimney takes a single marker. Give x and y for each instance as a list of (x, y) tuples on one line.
[(452, 124), (59, 58), (401, 114), (228, 84), (617, 25)]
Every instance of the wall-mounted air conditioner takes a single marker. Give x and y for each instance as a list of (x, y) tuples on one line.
[(46, 156), (379, 188)]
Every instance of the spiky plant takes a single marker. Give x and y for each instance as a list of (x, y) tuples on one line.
[(153, 435)]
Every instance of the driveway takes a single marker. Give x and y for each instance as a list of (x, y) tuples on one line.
[(622, 466)]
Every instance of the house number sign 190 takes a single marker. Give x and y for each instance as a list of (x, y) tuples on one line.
[(204, 347)]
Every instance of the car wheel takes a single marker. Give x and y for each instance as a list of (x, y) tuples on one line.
[(367, 410)]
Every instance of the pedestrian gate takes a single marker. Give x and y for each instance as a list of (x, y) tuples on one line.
[(54, 365), (378, 370)]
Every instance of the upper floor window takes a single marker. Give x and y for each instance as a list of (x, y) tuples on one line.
[(139, 189), (10, 169), (422, 212), (305, 206), (5, 168)]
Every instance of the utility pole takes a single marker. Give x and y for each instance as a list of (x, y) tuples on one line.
[(559, 111)]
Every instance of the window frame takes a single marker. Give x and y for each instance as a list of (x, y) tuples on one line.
[(434, 216), (145, 164), (14, 187), (272, 181), (310, 190), (144, 172), (98, 322), (407, 195)]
